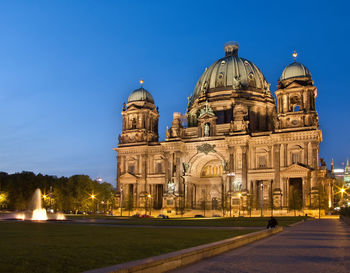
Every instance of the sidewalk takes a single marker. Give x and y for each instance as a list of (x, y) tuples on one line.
[(314, 246)]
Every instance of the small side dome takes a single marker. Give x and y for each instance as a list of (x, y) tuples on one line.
[(295, 70), (141, 94)]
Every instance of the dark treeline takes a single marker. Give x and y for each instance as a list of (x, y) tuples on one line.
[(73, 194)]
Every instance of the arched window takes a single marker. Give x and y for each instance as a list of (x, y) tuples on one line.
[(296, 108), (212, 169), (159, 167), (133, 123)]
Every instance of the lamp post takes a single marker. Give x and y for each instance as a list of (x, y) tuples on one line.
[(239, 206), (230, 200), (319, 203), (231, 174), (250, 204), (121, 201), (149, 203), (103, 206), (261, 199), (92, 196), (342, 190), (50, 198)]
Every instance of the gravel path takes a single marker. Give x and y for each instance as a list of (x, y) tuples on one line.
[(314, 246)]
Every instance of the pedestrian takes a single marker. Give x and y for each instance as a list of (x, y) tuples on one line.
[(272, 223)]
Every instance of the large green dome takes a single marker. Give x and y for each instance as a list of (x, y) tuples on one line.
[(231, 73)]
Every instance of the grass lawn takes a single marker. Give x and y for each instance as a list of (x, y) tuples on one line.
[(53, 247), (213, 222)]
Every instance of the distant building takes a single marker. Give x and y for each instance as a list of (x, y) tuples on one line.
[(240, 147), (347, 174)]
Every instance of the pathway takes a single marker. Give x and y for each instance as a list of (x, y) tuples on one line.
[(314, 246)]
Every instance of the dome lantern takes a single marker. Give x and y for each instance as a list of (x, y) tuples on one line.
[(231, 49)]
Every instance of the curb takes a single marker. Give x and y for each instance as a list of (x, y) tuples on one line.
[(297, 223), (173, 260)]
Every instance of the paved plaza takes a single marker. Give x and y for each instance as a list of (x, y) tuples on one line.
[(314, 246)]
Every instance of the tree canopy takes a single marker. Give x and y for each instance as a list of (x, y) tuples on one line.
[(76, 193)]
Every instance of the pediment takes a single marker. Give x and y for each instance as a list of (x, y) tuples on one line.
[(296, 169), (207, 116), (128, 177)]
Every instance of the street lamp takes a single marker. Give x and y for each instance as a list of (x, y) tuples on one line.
[(261, 199), (121, 201), (50, 198), (342, 190), (149, 202), (239, 206), (231, 174), (93, 196)]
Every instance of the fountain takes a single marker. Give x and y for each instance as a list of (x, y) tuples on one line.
[(39, 214), (35, 212)]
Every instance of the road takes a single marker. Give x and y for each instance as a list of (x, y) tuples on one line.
[(314, 246)]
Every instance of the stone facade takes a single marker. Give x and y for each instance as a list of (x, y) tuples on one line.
[(236, 146)]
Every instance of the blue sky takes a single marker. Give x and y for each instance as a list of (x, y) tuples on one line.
[(66, 67)]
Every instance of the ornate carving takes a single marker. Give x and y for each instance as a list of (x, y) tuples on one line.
[(186, 167), (240, 124), (206, 148), (171, 187), (206, 129), (236, 83), (167, 132), (206, 110), (224, 165)]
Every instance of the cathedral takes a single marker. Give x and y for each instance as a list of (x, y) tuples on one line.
[(237, 147)]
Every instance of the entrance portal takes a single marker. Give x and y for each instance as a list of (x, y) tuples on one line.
[(295, 193), (158, 198)]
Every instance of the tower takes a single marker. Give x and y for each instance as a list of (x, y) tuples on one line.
[(140, 118), (296, 97)]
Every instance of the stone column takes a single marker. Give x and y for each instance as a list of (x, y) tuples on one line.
[(277, 192), (244, 167), (178, 173), (306, 151), (232, 159), (166, 170), (285, 104), (124, 164), (286, 193), (269, 163), (262, 119), (143, 168), (119, 163), (314, 155), (286, 155), (276, 165)]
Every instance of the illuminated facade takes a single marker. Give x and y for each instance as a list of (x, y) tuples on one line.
[(236, 146)]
